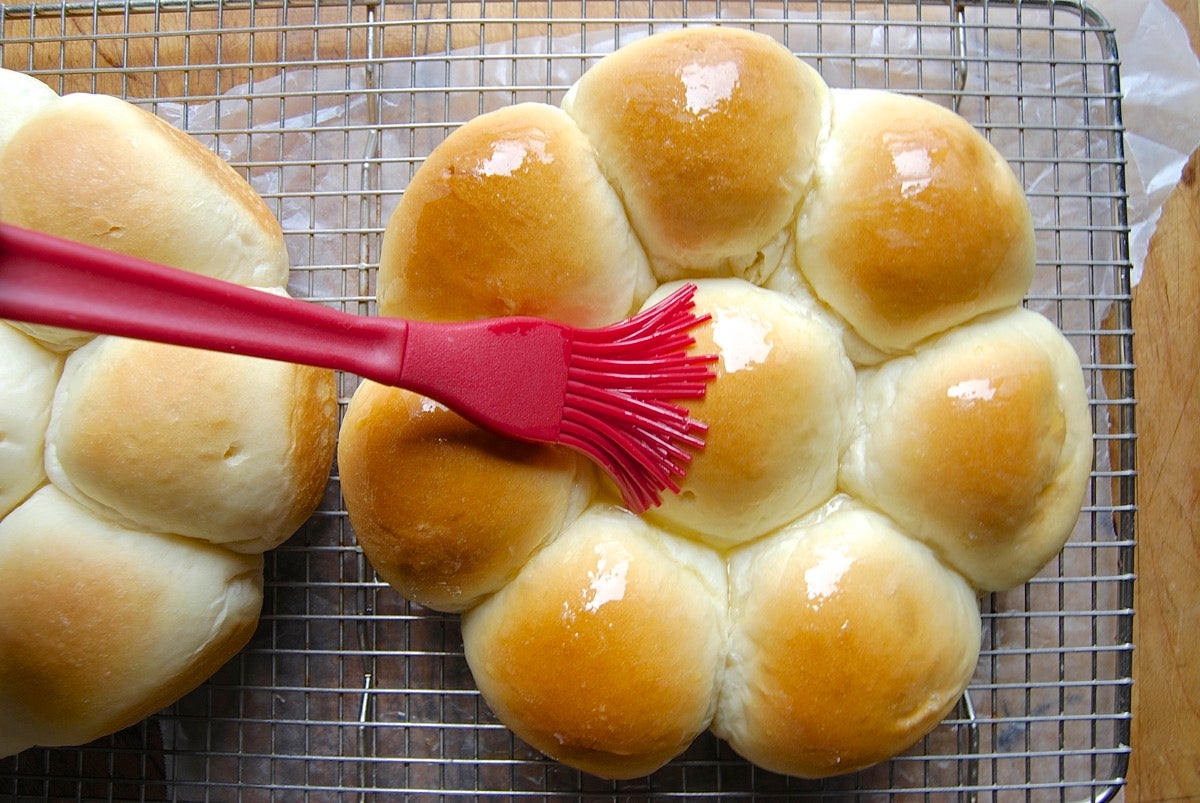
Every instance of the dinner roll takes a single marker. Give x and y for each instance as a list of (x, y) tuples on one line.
[(28, 376), (101, 626), (850, 641), (888, 433), (980, 444), (709, 134), (606, 650), (101, 171), (133, 474), (20, 97), (228, 449), (511, 215), (778, 414), (446, 511), (915, 222)]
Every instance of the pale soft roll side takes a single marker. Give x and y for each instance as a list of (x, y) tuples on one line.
[(28, 376), (445, 511), (102, 171), (20, 97), (850, 641), (914, 224), (102, 626), (607, 649), (778, 414), (104, 620), (980, 444), (709, 134), (228, 449), (511, 215)]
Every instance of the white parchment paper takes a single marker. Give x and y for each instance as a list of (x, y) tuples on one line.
[(1160, 87)]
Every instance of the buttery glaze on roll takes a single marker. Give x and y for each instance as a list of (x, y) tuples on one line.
[(914, 224), (511, 215), (887, 432), (850, 641), (606, 650), (445, 511), (778, 413), (980, 445), (709, 135)]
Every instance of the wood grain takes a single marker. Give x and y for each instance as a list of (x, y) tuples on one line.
[(1188, 12), (1165, 763), (1166, 310)]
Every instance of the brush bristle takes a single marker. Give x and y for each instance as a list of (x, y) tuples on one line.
[(622, 385)]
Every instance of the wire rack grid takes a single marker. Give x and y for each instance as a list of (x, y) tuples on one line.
[(348, 692)]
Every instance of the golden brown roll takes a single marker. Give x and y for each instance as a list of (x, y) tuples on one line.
[(101, 626), (887, 431), (228, 449), (915, 223), (510, 215), (778, 415), (980, 444), (850, 641), (28, 376), (445, 511), (606, 650), (709, 134), (101, 171)]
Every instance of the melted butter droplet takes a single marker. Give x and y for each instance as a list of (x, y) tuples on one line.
[(823, 579), (742, 339), (430, 406), (972, 390), (606, 581), (706, 86), (913, 167), (510, 155)]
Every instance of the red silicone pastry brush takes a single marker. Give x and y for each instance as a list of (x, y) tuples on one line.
[(610, 393)]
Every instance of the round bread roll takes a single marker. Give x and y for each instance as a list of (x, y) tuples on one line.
[(20, 96), (445, 511), (101, 626), (28, 376), (511, 215), (888, 432), (101, 171), (709, 135), (915, 222), (228, 449), (980, 444), (606, 650), (103, 619), (778, 415), (850, 641)]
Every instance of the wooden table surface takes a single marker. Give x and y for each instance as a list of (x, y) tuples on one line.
[(1166, 315)]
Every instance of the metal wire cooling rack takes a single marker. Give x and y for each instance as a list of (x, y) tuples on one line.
[(349, 693)]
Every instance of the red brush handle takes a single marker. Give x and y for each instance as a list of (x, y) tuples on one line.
[(49, 280)]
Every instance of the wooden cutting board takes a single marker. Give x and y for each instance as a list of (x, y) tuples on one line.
[(1165, 765)]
